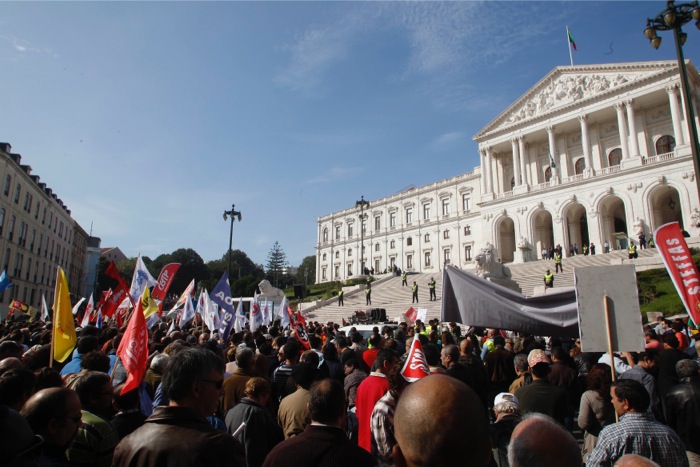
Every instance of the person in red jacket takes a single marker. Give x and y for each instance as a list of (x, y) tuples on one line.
[(369, 392)]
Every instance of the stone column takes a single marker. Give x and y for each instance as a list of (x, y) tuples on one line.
[(633, 129), (675, 114), (482, 163), (523, 171), (552, 151), (516, 162), (585, 144), (489, 171), (622, 129)]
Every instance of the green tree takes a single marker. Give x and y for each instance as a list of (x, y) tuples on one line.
[(306, 274), (276, 264), (192, 266), (242, 269)]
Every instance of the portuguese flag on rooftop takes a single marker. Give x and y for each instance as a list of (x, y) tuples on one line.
[(571, 39)]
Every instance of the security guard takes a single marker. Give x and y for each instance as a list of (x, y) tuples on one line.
[(548, 280), (403, 279), (368, 293), (632, 250), (414, 289), (431, 287), (340, 297), (557, 263)]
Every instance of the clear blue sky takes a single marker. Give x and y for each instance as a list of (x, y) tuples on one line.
[(151, 119)]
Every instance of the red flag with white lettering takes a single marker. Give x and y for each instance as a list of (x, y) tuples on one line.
[(133, 349), (298, 323), (415, 367), (679, 263), (165, 278), (411, 315)]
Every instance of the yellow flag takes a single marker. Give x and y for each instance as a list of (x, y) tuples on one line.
[(64, 338), (148, 304)]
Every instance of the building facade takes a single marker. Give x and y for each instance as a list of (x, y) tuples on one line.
[(37, 234), (590, 154)]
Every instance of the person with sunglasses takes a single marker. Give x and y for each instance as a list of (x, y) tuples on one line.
[(179, 434)]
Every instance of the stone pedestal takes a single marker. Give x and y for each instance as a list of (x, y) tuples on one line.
[(522, 255)]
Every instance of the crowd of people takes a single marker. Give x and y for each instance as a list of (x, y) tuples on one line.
[(263, 399)]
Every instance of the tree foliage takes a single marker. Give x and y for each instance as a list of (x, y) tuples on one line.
[(306, 274), (276, 264)]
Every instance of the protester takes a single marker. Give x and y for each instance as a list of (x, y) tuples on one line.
[(542, 396), (234, 385), (324, 442), (369, 392), (507, 416), (539, 440), (596, 410), (382, 419), (293, 408), (179, 434), (683, 408)]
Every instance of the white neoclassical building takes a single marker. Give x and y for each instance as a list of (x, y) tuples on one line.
[(589, 154)]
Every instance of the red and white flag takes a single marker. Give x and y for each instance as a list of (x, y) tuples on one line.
[(411, 315), (133, 349), (415, 367), (679, 263), (87, 316), (298, 323), (165, 278)]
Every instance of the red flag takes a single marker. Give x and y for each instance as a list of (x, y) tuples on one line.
[(165, 278), (113, 272), (415, 367), (114, 300), (19, 306), (133, 349), (411, 315), (679, 263), (298, 323)]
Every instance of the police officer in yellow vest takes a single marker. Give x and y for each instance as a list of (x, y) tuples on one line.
[(549, 280), (403, 279), (557, 263), (414, 289), (431, 287), (632, 250), (368, 293), (340, 297)]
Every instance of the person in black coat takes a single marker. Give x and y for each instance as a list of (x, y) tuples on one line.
[(252, 424), (324, 443)]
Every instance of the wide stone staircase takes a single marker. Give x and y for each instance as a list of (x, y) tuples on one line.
[(388, 293)]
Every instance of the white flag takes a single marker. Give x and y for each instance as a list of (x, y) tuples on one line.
[(77, 305), (282, 312), (140, 280), (44, 309), (267, 316), (240, 318), (188, 312), (88, 311), (256, 318), (188, 292)]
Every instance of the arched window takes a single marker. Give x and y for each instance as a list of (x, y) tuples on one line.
[(579, 166), (665, 144), (614, 157), (547, 174), (325, 234)]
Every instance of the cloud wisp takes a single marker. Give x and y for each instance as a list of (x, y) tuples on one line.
[(334, 174)]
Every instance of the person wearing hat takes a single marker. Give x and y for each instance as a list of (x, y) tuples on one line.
[(542, 396), (507, 412)]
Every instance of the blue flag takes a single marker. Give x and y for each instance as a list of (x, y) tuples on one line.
[(4, 282), (221, 295)]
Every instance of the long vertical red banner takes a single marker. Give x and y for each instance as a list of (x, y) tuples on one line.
[(680, 266)]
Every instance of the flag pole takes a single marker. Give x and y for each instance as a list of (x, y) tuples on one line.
[(568, 41), (53, 322)]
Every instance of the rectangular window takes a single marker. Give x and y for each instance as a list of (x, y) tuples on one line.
[(12, 228), (29, 268), (445, 207), (426, 238), (350, 252), (6, 264), (18, 191), (427, 259), (36, 211), (409, 215), (323, 273), (18, 265), (392, 245), (376, 247), (43, 216), (409, 261), (8, 182), (466, 202), (446, 234), (468, 253), (21, 233), (2, 219), (446, 256), (392, 219), (377, 223), (31, 243), (60, 231), (426, 212), (364, 227), (467, 230), (337, 233)]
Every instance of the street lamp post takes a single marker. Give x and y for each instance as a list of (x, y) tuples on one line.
[(362, 204), (233, 214), (673, 18)]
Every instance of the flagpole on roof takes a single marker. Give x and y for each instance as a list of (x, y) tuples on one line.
[(568, 41)]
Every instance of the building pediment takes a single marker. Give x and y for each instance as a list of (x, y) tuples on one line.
[(568, 86)]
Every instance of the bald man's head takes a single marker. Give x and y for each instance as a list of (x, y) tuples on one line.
[(540, 441), (437, 420)]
